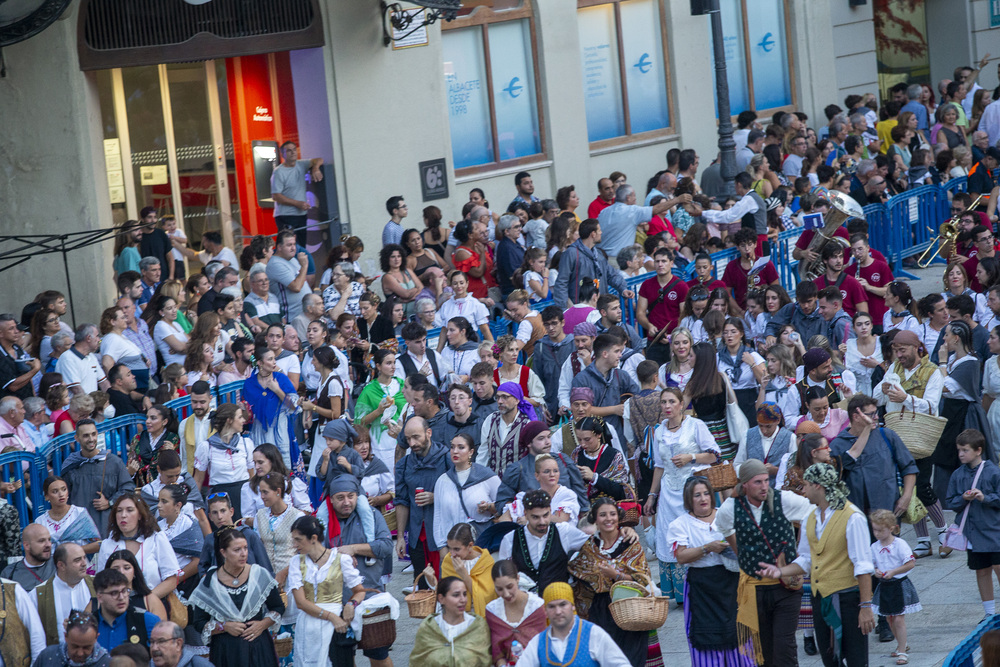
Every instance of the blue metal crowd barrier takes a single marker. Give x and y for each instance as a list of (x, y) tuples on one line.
[(968, 653), (34, 467)]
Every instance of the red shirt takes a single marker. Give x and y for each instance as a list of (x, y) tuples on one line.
[(711, 284), (807, 236), (735, 276), (597, 206), (850, 290), (878, 274), (664, 312), (971, 265)]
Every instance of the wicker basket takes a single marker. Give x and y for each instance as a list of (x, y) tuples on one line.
[(630, 508), (721, 476), (920, 432), (640, 614), (389, 514), (379, 630), (421, 604), (283, 646)]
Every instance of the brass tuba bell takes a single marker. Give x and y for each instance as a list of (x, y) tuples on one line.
[(842, 209)]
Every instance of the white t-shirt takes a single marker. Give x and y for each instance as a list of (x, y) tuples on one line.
[(537, 277), (469, 307), (123, 351), (225, 466), (164, 329), (225, 255), (156, 557), (289, 364), (85, 371)]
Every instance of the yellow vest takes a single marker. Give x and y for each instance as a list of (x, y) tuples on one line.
[(916, 383), (15, 649), (189, 444), (832, 569), (331, 589)]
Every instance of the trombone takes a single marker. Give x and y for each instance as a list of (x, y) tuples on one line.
[(947, 234)]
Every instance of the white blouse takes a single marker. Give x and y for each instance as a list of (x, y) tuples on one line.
[(314, 575), (862, 374), (687, 531), (164, 329), (497, 607), (156, 557), (57, 528), (889, 558), (448, 507), (449, 631), (747, 379), (376, 485), (225, 466), (299, 498), (182, 523)]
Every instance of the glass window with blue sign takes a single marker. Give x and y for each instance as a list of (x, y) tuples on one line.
[(489, 70), (757, 54), (624, 65)]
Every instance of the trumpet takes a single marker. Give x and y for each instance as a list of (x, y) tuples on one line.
[(947, 234)]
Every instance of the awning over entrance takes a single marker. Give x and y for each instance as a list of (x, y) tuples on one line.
[(112, 33)]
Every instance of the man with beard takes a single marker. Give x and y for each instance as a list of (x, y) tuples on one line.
[(37, 565), (197, 427), (373, 559), (416, 474), (70, 589), (95, 479)]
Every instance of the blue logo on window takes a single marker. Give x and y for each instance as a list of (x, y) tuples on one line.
[(644, 64), (513, 89), (767, 43)]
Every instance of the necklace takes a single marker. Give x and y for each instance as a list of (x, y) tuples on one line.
[(674, 428), (321, 557), (702, 516), (236, 577)]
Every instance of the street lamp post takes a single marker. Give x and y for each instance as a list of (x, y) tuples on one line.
[(727, 146)]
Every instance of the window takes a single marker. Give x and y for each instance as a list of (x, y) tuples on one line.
[(624, 68), (757, 54), (489, 69)]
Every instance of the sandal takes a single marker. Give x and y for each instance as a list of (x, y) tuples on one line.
[(902, 659), (896, 654)]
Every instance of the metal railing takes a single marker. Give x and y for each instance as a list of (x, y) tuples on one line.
[(968, 653), (117, 433)]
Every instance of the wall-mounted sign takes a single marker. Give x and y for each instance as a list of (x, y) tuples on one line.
[(262, 115), (153, 175), (434, 179), (410, 36)]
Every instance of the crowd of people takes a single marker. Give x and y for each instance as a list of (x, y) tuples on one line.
[(487, 409)]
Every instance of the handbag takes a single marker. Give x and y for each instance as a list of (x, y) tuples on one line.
[(920, 432), (954, 537), (630, 508), (177, 612), (737, 423), (916, 510)]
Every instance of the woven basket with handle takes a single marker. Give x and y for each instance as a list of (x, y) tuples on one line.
[(919, 431), (421, 604), (721, 475)]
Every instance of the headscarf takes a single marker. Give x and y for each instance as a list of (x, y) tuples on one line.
[(340, 429), (523, 406), (748, 470), (529, 432), (826, 476), (808, 426), (814, 358), (769, 413), (581, 394), (558, 590), (344, 484), (585, 329)]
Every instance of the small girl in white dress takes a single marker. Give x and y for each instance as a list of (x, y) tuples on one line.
[(895, 594)]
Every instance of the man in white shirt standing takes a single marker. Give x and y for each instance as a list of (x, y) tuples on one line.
[(840, 566), (79, 365), (919, 390), (69, 589), (418, 359), (197, 427)]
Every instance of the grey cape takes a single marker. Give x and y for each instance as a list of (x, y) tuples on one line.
[(87, 477)]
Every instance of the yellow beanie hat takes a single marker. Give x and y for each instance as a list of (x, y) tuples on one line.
[(558, 590)]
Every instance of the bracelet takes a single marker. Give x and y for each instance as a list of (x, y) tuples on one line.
[(866, 605), (654, 494)]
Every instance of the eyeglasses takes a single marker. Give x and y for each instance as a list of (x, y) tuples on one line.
[(120, 594), (161, 642)]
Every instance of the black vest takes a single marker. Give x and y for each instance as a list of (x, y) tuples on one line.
[(409, 367), (554, 564), (753, 549), (135, 623), (832, 394)]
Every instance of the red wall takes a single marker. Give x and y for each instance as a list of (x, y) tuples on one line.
[(261, 108)]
